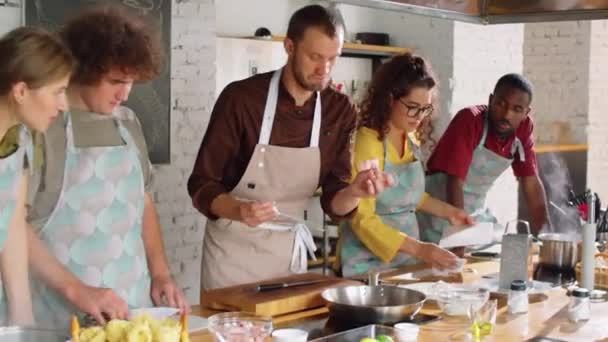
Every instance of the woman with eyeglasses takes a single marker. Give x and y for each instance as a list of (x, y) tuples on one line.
[(35, 68), (395, 117)]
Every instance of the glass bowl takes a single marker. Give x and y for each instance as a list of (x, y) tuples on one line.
[(457, 300), (240, 327)]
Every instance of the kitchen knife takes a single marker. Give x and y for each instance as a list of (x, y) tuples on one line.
[(277, 286)]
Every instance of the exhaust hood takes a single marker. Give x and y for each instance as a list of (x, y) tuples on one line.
[(495, 11)]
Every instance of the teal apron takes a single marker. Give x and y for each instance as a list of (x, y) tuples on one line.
[(11, 169), (486, 166), (396, 207), (95, 229)]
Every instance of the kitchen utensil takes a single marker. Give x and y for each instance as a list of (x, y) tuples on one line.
[(236, 326), (276, 286), (558, 250), (22, 334), (373, 304)]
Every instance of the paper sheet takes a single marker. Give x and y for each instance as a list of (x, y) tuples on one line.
[(479, 234)]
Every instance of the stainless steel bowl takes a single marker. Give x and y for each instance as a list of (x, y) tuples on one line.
[(20, 334), (373, 304)]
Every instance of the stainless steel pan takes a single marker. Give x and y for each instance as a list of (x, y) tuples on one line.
[(373, 304)]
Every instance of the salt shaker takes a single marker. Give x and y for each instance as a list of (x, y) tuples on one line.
[(579, 306), (518, 297)]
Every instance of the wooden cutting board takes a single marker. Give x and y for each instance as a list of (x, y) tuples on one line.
[(276, 302)]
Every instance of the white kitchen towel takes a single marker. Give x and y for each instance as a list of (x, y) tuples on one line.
[(479, 234)]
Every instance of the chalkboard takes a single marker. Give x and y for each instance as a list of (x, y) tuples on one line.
[(150, 101)]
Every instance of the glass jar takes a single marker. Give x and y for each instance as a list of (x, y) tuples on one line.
[(579, 307), (518, 297)]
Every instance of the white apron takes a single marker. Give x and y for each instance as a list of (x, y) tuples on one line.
[(233, 252)]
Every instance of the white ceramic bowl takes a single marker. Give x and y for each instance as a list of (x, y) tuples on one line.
[(407, 332)]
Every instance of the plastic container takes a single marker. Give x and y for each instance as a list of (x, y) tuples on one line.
[(518, 297), (579, 307), (240, 326)]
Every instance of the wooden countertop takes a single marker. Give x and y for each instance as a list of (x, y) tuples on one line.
[(547, 317)]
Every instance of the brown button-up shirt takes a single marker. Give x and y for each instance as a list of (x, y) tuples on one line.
[(234, 130)]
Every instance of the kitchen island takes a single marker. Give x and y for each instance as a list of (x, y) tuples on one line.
[(547, 317)]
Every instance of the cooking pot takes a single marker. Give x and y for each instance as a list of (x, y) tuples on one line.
[(558, 250), (373, 304)]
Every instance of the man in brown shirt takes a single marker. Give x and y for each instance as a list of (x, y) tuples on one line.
[(271, 141)]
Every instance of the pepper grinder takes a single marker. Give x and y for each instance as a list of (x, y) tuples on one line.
[(589, 234)]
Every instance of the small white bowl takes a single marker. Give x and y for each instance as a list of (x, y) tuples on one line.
[(407, 331), (289, 335)]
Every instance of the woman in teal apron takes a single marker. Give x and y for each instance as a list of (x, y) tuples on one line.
[(384, 233), (34, 71)]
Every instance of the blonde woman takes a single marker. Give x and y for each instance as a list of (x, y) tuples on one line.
[(34, 71)]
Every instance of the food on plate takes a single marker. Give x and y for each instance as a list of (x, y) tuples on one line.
[(368, 339), (143, 328)]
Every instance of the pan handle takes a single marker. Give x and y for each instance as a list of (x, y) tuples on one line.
[(526, 223)]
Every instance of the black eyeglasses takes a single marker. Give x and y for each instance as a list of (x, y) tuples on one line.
[(414, 111)]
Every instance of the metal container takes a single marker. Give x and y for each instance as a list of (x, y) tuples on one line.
[(20, 334), (560, 251), (373, 304)]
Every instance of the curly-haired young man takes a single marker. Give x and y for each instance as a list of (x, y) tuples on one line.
[(98, 244)]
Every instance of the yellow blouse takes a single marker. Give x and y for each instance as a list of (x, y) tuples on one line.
[(381, 239)]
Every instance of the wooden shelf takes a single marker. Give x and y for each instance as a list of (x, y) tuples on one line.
[(560, 148), (359, 49)]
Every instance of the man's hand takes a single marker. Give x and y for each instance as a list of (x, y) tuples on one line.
[(164, 292), (101, 303), (255, 213), (370, 181)]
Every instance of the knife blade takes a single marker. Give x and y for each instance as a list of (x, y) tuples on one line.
[(277, 286)]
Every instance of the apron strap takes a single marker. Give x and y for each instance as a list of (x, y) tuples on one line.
[(303, 243), (517, 147), (271, 107), (486, 124)]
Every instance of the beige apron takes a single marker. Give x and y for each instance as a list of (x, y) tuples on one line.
[(234, 253)]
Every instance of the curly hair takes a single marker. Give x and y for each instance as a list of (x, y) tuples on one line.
[(104, 38), (393, 80)]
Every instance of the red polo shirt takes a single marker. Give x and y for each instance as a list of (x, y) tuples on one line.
[(454, 151)]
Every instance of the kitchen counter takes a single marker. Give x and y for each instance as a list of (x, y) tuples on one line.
[(547, 317)]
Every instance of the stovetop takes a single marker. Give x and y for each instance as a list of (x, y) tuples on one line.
[(334, 326)]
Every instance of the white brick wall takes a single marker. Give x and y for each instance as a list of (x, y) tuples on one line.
[(556, 59), (192, 98), (481, 55), (10, 18), (597, 130)]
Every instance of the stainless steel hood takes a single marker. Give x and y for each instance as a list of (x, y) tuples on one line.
[(495, 11)]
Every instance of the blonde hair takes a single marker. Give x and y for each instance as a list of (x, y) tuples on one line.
[(34, 56)]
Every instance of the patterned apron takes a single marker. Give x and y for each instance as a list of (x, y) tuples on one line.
[(486, 167), (95, 229), (396, 207), (11, 169), (233, 252)]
